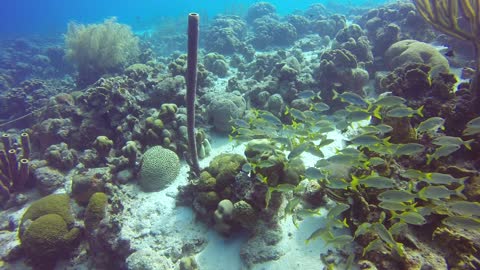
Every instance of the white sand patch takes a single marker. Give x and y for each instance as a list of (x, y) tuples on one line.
[(221, 252)]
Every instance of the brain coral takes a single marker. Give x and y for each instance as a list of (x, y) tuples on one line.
[(45, 231), (160, 167), (412, 51)]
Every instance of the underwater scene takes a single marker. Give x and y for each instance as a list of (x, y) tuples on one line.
[(240, 135)]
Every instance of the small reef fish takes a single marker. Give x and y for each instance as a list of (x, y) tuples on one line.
[(413, 174), (323, 233), (342, 124), (322, 163), (291, 205), (449, 140), (316, 151), (295, 113), (409, 149), (431, 125), (465, 208), (373, 245), (314, 173), (390, 101), (266, 163), (371, 110), (378, 129), (350, 97), (404, 111), (337, 210), (245, 134), (325, 142), (466, 223), (443, 179), (398, 228), (384, 234), (375, 161), (306, 94), (240, 123), (323, 123), (367, 140), (247, 167), (473, 127), (323, 130), (263, 147), (283, 187), (347, 160), (305, 212), (298, 150), (310, 115), (340, 114), (270, 118), (410, 217), (337, 183), (442, 151), (396, 206), (373, 181), (475, 122), (358, 115), (384, 149), (396, 196), (370, 130), (286, 142), (439, 192), (362, 229), (319, 107), (340, 241), (384, 128), (470, 131)]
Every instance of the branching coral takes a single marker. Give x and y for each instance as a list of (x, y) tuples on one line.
[(96, 49)]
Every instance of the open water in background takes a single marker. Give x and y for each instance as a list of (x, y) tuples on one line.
[(50, 17)]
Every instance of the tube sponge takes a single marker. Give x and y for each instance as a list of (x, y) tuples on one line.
[(160, 167)]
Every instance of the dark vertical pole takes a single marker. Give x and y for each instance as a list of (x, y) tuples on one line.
[(193, 20), (475, 83)]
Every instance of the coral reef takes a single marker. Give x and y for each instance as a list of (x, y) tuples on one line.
[(226, 35), (357, 121), (271, 32), (339, 69), (259, 10), (221, 109)]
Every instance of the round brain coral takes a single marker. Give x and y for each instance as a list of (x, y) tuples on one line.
[(47, 239), (160, 167)]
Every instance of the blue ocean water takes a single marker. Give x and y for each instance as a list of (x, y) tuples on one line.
[(50, 17)]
